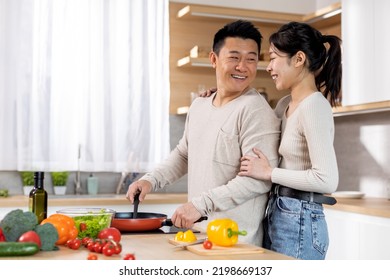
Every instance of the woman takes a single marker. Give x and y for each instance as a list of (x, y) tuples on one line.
[(300, 63)]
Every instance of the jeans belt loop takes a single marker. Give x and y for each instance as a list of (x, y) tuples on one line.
[(277, 190), (311, 197)]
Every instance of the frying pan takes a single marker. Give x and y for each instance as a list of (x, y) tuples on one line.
[(145, 221)]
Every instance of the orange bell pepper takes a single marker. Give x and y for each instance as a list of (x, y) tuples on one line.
[(65, 226)]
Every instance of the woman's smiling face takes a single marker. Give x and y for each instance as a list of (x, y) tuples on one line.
[(281, 69)]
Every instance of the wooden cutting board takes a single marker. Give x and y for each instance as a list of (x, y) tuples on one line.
[(239, 248)]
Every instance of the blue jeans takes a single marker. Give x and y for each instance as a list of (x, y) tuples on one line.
[(296, 228)]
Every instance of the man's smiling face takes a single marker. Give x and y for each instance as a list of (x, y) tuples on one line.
[(236, 65)]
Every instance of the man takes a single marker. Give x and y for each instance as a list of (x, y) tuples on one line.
[(219, 130)]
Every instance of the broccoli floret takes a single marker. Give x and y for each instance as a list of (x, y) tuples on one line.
[(48, 235), (17, 222), (31, 219)]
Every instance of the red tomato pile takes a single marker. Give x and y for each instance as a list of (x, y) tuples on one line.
[(106, 247), (106, 243)]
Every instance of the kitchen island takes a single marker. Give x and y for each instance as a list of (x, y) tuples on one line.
[(145, 246), (149, 247), (353, 225)]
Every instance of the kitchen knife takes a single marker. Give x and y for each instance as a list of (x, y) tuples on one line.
[(184, 246)]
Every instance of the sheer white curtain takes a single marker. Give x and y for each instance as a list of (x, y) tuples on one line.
[(84, 84)]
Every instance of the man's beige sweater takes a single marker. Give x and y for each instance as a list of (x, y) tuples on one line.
[(214, 140)]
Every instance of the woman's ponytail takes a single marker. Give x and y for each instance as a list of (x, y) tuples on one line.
[(329, 79)]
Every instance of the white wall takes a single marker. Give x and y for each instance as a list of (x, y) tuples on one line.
[(283, 6), (362, 144)]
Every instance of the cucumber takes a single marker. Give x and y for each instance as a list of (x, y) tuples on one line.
[(18, 249)]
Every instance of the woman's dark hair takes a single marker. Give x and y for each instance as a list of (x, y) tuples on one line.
[(238, 29), (324, 63)]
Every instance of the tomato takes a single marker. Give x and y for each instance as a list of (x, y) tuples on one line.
[(118, 248), (92, 256), (74, 244), (83, 226), (207, 244), (108, 249), (91, 246), (97, 247), (110, 233), (129, 257), (30, 236), (85, 241), (2, 237)]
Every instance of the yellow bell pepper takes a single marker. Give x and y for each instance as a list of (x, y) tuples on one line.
[(187, 236), (223, 232)]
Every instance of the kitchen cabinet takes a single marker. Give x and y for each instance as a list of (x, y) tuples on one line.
[(195, 25), (365, 54), (356, 236)]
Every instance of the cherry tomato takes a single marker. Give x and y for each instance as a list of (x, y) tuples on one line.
[(74, 244), (30, 236), (110, 233), (207, 244), (97, 247), (91, 246), (108, 249), (118, 248), (83, 227), (129, 257), (85, 241), (92, 256)]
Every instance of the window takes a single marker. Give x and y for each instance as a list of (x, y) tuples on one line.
[(84, 85)]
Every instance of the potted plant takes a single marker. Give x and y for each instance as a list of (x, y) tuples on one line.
[(59, 179), (28, 181)]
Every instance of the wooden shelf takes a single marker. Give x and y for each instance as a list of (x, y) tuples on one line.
[(196, 11), (205, 62), (362, 108), (322, 14)]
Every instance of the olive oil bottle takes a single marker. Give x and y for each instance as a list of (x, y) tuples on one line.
[(38, 197)]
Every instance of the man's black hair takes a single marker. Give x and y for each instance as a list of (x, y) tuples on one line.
[(237, 29)]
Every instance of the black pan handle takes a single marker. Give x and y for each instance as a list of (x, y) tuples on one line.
[(136, 202), (168, 222)]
